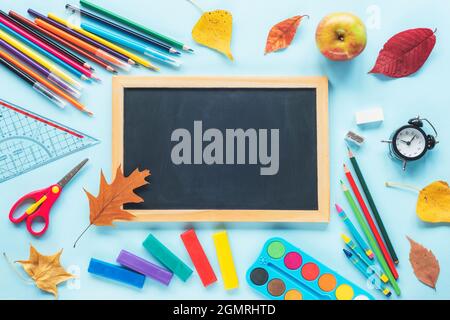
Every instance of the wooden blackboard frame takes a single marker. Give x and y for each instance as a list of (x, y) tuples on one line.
[(120, 83)]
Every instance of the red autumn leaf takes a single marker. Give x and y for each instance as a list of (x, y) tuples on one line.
[(405, 53), (282, 34)]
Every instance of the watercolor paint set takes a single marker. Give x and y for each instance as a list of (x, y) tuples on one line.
[(284, 272)]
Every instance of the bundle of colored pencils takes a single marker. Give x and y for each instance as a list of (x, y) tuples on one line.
[(374, 231), (55, 56)]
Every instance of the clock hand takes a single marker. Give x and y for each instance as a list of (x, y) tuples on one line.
[(412, 139)]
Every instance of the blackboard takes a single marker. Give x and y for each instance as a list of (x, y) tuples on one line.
[(253, 149)]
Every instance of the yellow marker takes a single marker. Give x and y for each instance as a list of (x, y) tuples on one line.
[(225, 257), (38, 58), (104, 42)]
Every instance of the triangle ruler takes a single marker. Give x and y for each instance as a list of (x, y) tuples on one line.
[(29, 141)]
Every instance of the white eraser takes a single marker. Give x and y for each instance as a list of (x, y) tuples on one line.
[(369, 116)]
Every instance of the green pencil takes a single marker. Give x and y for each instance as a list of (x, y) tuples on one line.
[(134, 25), (373, 207), (370, 238)]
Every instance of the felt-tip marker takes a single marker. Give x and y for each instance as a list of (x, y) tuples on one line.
[(34, 83)]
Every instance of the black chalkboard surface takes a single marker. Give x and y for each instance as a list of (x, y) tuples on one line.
[(226, 149)]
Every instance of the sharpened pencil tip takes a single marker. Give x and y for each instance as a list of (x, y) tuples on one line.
[(347, 253), (186, 48), (350, 153), (132, 62), (346, 168), (338, 208)]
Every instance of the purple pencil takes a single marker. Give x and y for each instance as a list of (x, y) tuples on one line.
[(42, 70), (80, 36)]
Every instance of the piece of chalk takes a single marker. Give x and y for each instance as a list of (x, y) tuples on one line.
[(117, 273), (370, 116), (198, 257), (135, 263), (166, 257), (225, 257)]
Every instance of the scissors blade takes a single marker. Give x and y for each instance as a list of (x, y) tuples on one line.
[(71, 174)]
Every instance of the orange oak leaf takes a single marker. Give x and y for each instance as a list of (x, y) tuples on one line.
[(424, 263), (108, 205), (46, 271), (282, 34)]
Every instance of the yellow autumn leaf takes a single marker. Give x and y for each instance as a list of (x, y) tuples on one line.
[(213, 30), (46, 271), (433, 204)]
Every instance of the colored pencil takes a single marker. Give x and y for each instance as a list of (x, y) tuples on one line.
[(43, 52), (372, 205), (358, 252), (82, 70), (174, 43), (81, 37), (42, 70), (132, 33), (45, 82), (114, 37), (370, 238), (354, 232), (104, 42), (48, 41), (86, 46), (33, 82), (39, 59), (366, 272), (67, 44), (370, 221)]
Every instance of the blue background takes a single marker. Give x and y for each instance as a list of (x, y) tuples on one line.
[(351, 89)]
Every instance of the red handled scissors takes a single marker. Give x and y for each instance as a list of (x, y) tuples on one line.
[(44, 200)]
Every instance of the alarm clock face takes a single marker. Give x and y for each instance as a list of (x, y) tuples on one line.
[(409, 143)]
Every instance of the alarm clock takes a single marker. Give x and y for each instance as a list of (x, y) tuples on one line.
[(411, 142)]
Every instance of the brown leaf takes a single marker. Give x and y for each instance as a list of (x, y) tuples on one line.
[(107, 206), (433, 204), (46, 271), (281, 35), (424, 263)]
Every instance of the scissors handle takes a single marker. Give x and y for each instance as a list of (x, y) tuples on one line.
[(43, 201)]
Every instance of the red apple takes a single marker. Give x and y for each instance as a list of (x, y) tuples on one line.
[(341, 36)]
